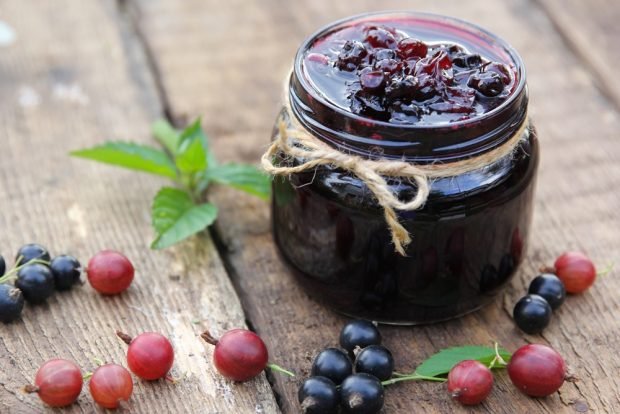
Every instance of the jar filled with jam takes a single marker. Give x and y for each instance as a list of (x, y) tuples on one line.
[(430, 91)]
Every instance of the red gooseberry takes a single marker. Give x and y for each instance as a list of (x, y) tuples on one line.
[(239, 354), (58, 383), (537, 370), (149, 356), (110, 272), (111, 386), (576, 271), (470, 382)]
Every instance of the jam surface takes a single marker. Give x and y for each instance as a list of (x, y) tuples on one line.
[(387, 71)]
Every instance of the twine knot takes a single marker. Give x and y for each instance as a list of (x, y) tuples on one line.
[(294, 141)]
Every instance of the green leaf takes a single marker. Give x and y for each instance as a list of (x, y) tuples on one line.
[(166, 134), (191, 155), (243, 177), (444, 360), (176, 217), (131, 156)]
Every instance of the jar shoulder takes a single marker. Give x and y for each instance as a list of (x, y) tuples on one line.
[(511, 173)]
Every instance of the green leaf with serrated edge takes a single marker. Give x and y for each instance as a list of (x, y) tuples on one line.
[(131, 156), (191, 155), (166, 134), (175, 217), (243, 177), (442, 362)]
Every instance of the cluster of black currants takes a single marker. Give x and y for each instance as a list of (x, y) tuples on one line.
[(349, 379), (546, 293), (36, 276)]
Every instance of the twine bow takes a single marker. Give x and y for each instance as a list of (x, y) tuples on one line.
[(295, 141)]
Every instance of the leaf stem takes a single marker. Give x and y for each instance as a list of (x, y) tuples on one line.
[(279, 369), (411, 377)]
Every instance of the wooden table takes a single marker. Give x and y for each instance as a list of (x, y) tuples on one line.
[(81, 72)]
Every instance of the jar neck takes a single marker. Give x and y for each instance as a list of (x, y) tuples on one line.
[(420, 144)]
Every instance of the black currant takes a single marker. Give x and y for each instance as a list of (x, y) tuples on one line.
[(36, 282), (532, 314), (31, 251), (550, 287), (11, 303), (375, 360), (318, 395), (333, 364), (2, 266), (361, 394), (359, 333), (487, 83), (351, 55), (66, 271)]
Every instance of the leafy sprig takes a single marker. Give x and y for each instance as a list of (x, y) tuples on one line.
[(437, 367), (179, 212)]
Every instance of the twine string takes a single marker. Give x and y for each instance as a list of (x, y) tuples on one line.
[(294, 141)]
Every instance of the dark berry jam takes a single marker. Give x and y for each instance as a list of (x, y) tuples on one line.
[(471, 234), (383, 70)]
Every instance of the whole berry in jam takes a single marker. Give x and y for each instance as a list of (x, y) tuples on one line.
[(380, 37), (361, 394), (332, 363), (487, 83), (149, 356), (2, 266), (532, 314), (372, 80), (239, 354), (318, 395), (470, 382), (58, 383), (36, 282), (550, 287), (375, 360), (359, 333), (11, 303), (351, 55), (537, 370), (412, 48), (66, 271), (110, 272), (111, 386), (30, 252), (576, 271)]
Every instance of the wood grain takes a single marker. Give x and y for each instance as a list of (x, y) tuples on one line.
[(227, 63), (75, 76), (590, 29)]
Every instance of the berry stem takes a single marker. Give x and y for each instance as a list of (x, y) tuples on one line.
[(31, 388), (606, 271), (124, 337), (279, 369), (87, 376), (210, 339), (10, 275)]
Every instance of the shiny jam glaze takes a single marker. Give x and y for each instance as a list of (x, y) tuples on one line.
[(383, 71)]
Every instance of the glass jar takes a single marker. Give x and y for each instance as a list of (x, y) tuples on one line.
[(468, 238)]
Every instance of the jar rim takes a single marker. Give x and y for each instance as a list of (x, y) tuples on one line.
[(472, 28)]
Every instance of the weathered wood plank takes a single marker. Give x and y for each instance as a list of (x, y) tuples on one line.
[(75, 76), (591, 30), (227, 62)]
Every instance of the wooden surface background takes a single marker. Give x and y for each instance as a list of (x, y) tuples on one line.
[(82, 72)]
